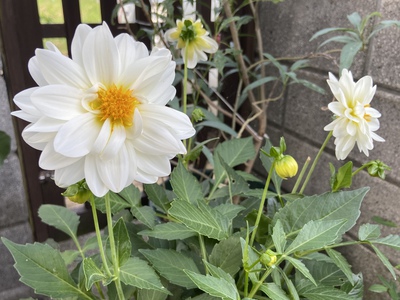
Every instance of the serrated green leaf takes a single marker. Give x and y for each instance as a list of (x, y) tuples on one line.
[(117, 203), (236, 184), (323, 269), (227, 255), (279, 237), (316, 234), (185, 185), (348, 53), (132, 195), (123, 244), (42, 268), (60, 217), (5, 146), (151, 295), (384, 260), (218, 272), (369, 231), (92, 273), (145, 214), (218, 287), (323, 293), (169, 231), (157, 195), (391, 240), (343, 177), (234, 152), (273, 291), (138, 273), (230, 211), (341, 262), (171, 265), (202, 219), (328, 206), (301, 268)]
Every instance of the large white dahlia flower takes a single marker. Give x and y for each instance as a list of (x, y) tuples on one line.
[(101, 116), (355, 120)]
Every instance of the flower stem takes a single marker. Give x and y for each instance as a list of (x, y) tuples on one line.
[(303, 170), (315, 162), (203, 251), (112, 247), (98, 235), (261, 208), (359, 169)]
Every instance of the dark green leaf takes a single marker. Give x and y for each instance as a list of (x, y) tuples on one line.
[(171, 265), (60, 217), (123, 244), (40, 261), (145, 214), (227, 255), (341, 262), (157, 195), (384, 260), (185, 185), (301, 268), (5, 146), (169, 231), (273, 291)]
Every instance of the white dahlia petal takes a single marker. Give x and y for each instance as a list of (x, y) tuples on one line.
[(36, 73), (24, 102), (100, 56), (71, 174), (92, 176), (158, 165), (130, 50), (37, 140), (50, 159), (59, 69), (136, 129), (58, 101), (45, 124), (77, 136), (78, 40), (110, 140)]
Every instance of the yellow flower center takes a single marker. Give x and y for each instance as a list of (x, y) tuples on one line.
[(117, 104)]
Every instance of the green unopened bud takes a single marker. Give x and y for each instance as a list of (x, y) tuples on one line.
[(78, 192), (376, 168), (286, 166), (268, 258), (198, 115)]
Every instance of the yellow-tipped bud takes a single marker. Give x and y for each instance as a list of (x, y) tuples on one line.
[(78, 192), (286, 167), (268, 258)]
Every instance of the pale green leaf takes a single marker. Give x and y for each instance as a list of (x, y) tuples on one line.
[(185, 185), (341, 262), (157, 195), (218, 272), (328, 206), (273, 291), (229, 210), (369, 231), (169, 231), (301, 268), (348, 53), (279, 237), (42, 268), (92, 273), (202, 219), (69, 256), (312, 86), (60, 217), (123, 244), (327, 30), (290, 285), (138, 273), (378, 288), (315, 235), (345, 39), (171, 265), (145, 214), (236, 184), (254, 85), (217, 125), (227, 255), (384, 260), (218, 287), (355, 20), (391, 240)]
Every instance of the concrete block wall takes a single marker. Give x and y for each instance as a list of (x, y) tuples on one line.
[(299, 117), (14, 216)]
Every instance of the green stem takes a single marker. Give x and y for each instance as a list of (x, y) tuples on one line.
[(98, 287), (300, 178), (315, 162), (112, 247), (359, 169), (203, 251), (261, 208), (98, 235)]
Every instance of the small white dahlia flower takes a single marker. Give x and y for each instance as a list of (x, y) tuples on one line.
[(101, 116), (191, 34), (355, 120)]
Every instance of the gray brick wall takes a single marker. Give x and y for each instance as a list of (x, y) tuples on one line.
[(287, 28)]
